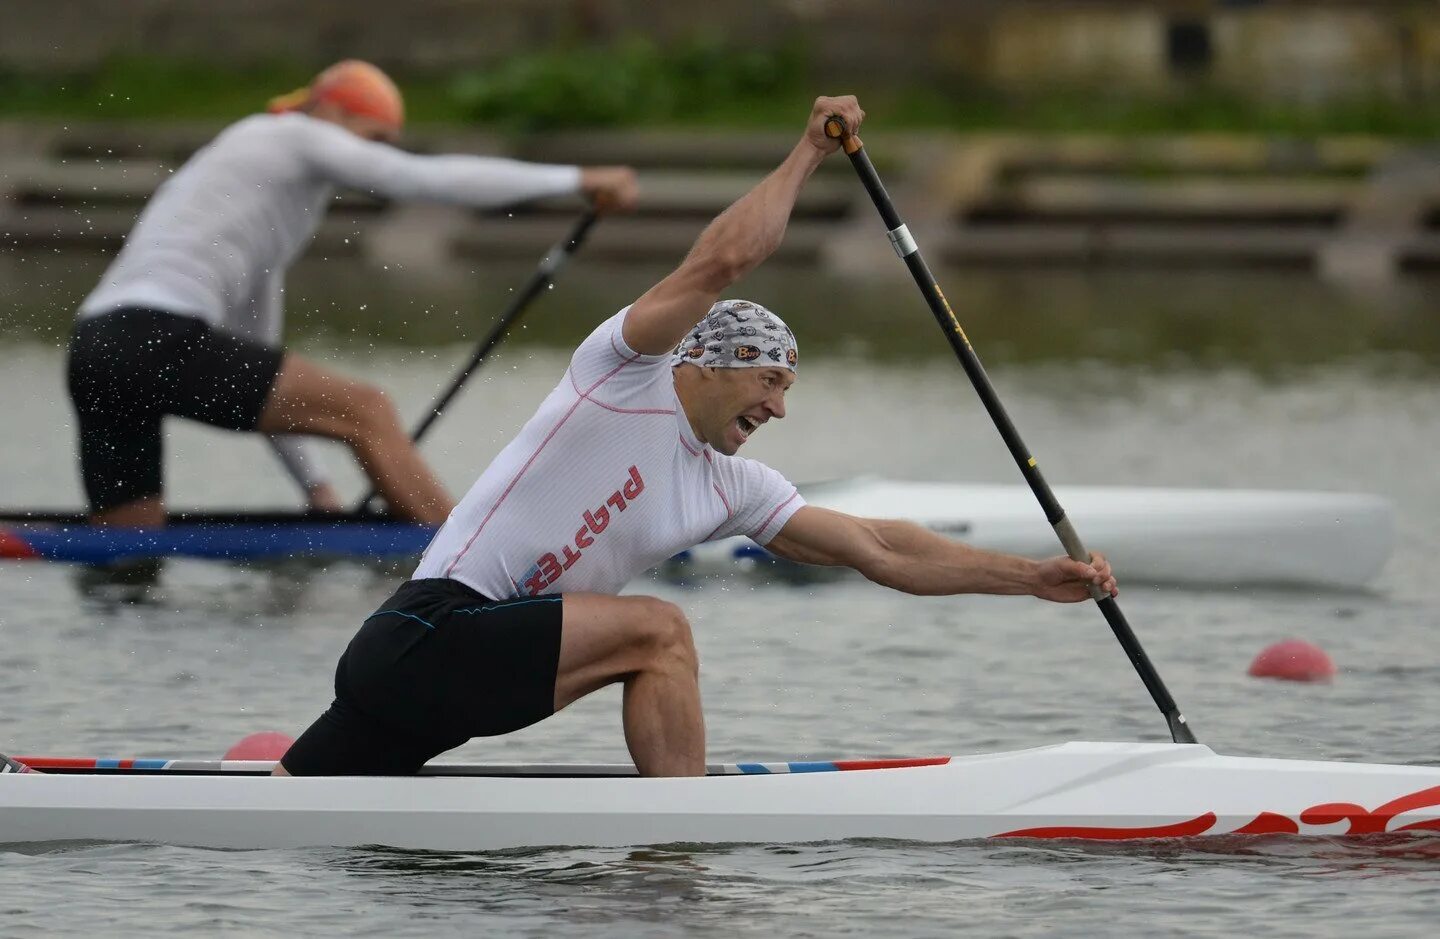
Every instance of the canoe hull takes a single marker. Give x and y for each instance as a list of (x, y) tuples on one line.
[(1086, 790)]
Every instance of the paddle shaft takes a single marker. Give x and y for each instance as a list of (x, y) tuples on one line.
[(909, 252), (544, 275)]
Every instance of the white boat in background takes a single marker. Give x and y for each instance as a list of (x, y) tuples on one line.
[(1205, 537), (1111, 791)]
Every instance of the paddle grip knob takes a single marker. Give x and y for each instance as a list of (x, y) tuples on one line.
[(836, 129)]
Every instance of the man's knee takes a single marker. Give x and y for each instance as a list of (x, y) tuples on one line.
[(368, 411), (310, 399), (663, 631)]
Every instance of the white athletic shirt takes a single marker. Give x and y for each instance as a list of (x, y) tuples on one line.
[(215, 239), (604, 482)]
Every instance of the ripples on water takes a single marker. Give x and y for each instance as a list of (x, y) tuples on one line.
[(1262, 886), (790, 672)]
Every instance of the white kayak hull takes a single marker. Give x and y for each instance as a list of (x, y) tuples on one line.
[(1076, 790), (1205, 537)]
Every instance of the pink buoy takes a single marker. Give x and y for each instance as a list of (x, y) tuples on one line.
[(1293, 660), (266, 745)]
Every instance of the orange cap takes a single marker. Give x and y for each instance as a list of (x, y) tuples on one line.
[(355, 86)]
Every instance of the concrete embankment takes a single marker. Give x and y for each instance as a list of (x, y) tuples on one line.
[(1358, 207)]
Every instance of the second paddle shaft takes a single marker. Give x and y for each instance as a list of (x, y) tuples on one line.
[(909, 252), (544, 275)]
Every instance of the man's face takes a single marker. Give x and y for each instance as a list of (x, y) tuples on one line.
[(739, 400)]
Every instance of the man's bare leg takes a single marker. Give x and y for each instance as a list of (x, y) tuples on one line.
[(148, 512), (310, 399), (645, 643)]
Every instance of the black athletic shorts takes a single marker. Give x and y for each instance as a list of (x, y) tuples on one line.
[(435, 665), (131, 367)]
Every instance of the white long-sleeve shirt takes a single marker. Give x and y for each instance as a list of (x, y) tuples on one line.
[(215, 239)]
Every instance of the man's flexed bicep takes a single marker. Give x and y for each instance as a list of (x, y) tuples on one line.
[(737, 241)]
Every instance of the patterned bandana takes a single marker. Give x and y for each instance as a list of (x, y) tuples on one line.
[(738, 334)]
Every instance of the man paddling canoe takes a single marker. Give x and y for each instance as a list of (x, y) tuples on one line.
[(512, 613), (187, 319)]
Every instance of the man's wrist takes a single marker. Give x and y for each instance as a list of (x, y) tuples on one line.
[(1033, 576), (815, 154)]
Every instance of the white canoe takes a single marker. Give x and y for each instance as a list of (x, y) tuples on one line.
[(1074, 790), (1205, 537)]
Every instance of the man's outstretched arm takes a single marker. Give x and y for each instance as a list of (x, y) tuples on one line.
[(737, 241), (913, 559), (381, 169)]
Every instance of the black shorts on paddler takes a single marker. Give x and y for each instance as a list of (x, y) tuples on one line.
[(435, 665), (129, 368)]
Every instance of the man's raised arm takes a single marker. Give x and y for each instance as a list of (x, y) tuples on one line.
[(737, 241)]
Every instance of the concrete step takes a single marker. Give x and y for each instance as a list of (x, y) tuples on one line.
[(1053, 196), (991, 198)]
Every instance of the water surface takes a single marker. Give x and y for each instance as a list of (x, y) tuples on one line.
[(794, 672)]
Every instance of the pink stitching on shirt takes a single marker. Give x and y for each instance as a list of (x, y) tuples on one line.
[(496, 507), (728, 511), (771, 517), (611, 407), (528, 463), (607, 376), (621, 352)]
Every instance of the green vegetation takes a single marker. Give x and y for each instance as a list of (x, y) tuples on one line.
[(637, 83), (159, 89), (138, 88)]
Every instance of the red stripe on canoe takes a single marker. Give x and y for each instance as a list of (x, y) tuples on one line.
[(1195, 826), (892, 764), (72, 762), (14, 547)]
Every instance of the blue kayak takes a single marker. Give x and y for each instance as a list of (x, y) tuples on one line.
[(230, 536)]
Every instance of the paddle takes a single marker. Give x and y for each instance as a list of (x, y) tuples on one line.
[(909, 252), (544, 275)]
